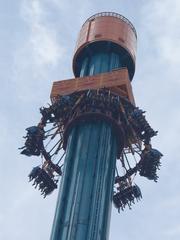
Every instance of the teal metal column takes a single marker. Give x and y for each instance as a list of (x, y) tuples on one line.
[(85, 197)]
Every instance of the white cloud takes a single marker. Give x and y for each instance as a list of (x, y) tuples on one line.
[(172, 231), (42, 40), (38, 54), (161, 22), (76, 9)]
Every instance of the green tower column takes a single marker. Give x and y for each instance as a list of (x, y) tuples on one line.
[(85, 196)]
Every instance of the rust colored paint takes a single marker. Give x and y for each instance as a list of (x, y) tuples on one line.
[(117, 81), (116, 29)]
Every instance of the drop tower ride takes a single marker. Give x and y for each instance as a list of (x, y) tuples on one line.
[(94, 120)]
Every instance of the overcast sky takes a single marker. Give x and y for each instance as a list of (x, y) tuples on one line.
[(37, 40)]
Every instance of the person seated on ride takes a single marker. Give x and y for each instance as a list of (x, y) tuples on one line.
[(34, 173)]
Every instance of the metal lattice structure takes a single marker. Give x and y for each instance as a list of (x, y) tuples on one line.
[(94, 105)]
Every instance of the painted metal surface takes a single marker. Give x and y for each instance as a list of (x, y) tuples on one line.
[(84, 202), (110, 28), (117, 81), (100, 62)]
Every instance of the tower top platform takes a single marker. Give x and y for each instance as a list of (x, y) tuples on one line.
[(111, 28)]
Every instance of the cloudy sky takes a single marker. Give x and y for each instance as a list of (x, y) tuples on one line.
[(37, 40)]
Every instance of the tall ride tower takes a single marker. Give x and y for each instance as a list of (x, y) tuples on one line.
[(106, 42), (98, 125)]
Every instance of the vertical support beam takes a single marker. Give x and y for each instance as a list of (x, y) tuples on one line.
[(85, 197)]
